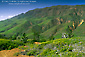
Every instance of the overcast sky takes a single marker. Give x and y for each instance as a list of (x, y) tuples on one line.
[(8, 9)]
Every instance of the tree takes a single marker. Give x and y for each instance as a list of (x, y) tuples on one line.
[(36, 30), (24, 38), (69, 32), (1, 36), (24, 35)]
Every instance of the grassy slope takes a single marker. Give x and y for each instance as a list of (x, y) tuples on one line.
[(42, 17), (80, 31)]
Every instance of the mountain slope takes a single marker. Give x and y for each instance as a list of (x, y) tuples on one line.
[(80, 31), (53, 20)]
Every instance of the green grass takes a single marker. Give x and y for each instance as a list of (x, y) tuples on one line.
[(80, 31), (49, 32)]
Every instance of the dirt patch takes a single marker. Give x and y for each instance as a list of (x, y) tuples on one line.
[(37, 43), (10, 53)]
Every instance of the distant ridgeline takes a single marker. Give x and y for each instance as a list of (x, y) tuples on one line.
[(46, 22)]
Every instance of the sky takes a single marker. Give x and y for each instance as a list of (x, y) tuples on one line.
[(10, 8)]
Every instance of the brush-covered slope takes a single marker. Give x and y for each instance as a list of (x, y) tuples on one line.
[(53, 20), (66, 47)]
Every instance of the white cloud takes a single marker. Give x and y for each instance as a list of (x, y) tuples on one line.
[(5, 17), (1, 16), (10, 16), (2, 19)]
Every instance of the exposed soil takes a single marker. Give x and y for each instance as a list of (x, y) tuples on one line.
[(10, 53)]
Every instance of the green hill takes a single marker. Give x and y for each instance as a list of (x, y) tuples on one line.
[(53, 20)]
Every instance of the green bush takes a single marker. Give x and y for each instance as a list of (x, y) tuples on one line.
[(32, 52), (8, 44)]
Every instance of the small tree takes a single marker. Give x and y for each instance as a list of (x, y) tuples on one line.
[(24, 35), (24, 38), (69, 31), (2, 36)]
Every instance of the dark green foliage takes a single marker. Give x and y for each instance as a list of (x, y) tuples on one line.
[(36, 30), (9, 44), (2, 36), (31, 53), (25, 39), (54, 22), (69, 31), (24, 35)]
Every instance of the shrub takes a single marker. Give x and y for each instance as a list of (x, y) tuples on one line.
[(8, 44)]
